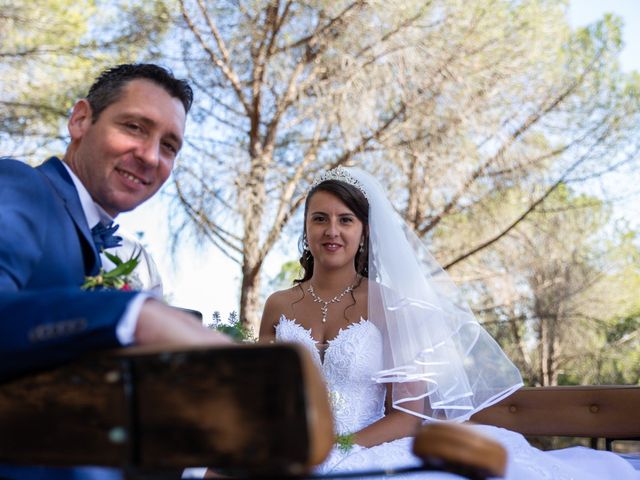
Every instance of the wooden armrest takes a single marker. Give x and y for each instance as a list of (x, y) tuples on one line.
[(255, 408), (578, 411)]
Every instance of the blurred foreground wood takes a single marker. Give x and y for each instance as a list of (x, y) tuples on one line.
[(461, 450), (256, 409)]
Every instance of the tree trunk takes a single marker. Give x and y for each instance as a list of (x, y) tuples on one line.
[(250, 298), (548, 354), (254, 198)]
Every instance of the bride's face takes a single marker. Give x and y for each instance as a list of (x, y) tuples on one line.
[(334, 232)]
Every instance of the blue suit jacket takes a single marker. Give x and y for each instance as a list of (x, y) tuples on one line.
[(46, 250)]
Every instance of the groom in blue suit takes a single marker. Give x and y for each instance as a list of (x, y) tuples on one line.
[(124, 138)]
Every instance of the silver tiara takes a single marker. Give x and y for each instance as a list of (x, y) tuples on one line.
[(342, 175)]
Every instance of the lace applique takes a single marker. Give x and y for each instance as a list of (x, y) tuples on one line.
[(291, 331), (350, 361)]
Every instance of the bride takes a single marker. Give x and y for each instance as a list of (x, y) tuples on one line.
[(395, 343)]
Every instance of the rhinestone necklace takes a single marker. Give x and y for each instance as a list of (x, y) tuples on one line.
[(325, 303)]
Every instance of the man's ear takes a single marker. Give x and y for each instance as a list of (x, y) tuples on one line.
[(80, 120)]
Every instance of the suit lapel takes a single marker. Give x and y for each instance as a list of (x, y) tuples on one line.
[(62, 183)]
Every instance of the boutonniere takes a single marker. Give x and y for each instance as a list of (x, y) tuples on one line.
[(121, 277)]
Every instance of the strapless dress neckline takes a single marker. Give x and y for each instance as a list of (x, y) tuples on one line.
[(309, 341)]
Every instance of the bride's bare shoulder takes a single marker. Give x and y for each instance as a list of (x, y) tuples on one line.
[(281, 302), (286, 296)]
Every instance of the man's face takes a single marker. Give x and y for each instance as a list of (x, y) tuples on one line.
[(126, 156)]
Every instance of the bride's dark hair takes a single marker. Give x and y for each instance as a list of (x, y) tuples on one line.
[(354, 199)]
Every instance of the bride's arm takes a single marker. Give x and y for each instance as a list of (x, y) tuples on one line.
[(267, 333), (393, 425)]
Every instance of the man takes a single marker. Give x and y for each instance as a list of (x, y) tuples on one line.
[(124, 138)]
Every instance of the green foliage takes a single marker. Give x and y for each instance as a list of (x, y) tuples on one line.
[(51, 49), (345, 442), (561, 295), (232, 327), (119, 277), (623, 328), (289, 271)]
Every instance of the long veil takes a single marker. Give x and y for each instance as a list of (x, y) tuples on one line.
[(442, 363)]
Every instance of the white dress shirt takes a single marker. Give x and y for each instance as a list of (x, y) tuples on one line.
[(126, 327)]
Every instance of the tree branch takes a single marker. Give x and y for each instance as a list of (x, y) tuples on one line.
[(221, 63), (529, 210)]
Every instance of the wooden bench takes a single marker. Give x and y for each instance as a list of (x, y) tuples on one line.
[(608, 412), (595, 411)]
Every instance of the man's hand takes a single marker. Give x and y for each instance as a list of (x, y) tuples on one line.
[(160, 324)]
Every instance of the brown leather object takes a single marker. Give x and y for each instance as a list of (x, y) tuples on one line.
[(577, 411), (253, 408), (460, 449)]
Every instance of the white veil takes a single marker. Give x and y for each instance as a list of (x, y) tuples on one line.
[(435, 349)]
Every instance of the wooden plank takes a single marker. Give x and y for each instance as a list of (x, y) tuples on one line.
[(577, 411)]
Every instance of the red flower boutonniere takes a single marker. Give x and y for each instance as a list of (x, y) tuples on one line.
[(121, 277)]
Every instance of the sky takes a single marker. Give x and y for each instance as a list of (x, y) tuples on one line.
[(196, 276), (202, 278), (584, 12)]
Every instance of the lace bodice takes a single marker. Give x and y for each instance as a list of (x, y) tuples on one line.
[(350, 361)]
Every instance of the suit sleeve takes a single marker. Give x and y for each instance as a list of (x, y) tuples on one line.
[(45, 328)]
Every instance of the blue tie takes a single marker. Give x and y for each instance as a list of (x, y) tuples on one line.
[(103, 236)]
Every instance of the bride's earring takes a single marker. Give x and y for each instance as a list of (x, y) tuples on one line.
[(306, 252), (361, 249)]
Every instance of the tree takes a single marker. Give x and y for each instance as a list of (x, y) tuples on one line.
[(290, 87), (563, 115), (48, 50), (615, 357), (447, 100), (561, 296)]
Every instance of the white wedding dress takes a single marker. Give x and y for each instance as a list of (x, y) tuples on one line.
[(351, 359)]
